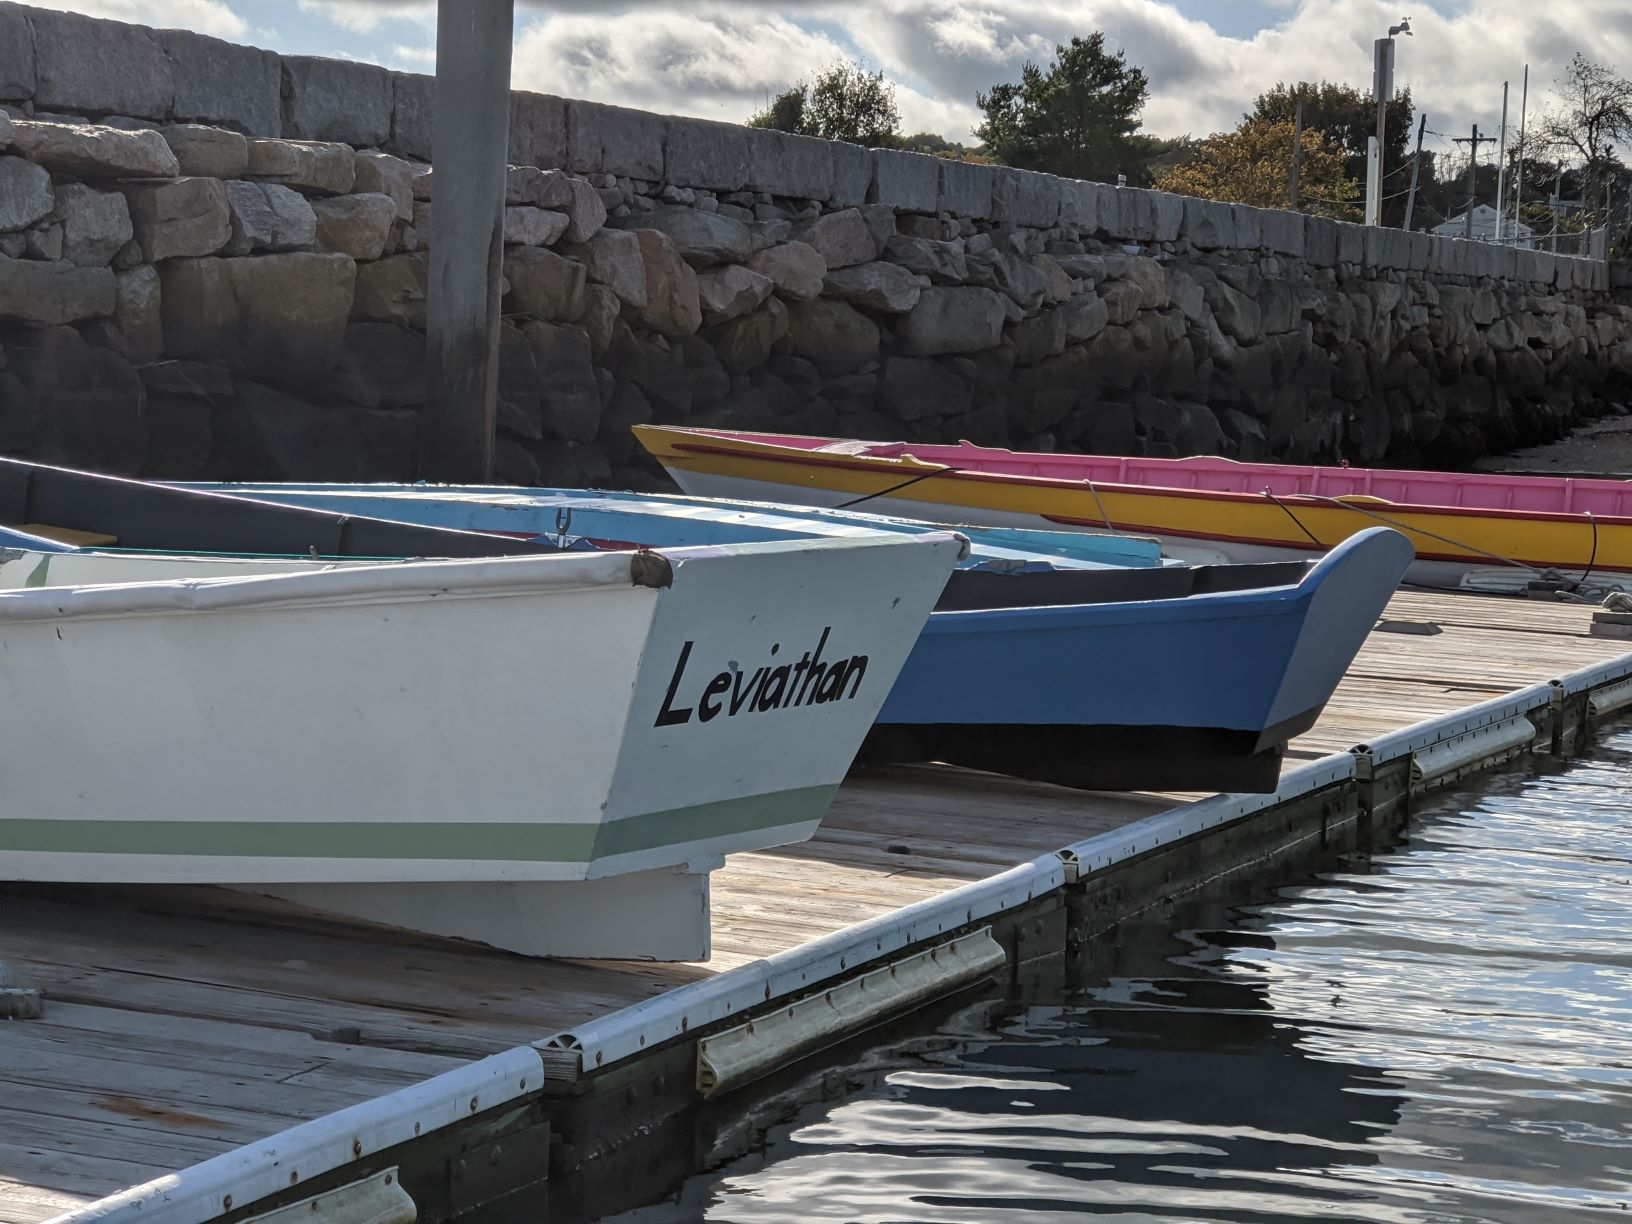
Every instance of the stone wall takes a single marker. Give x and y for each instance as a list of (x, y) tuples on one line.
[(212, 262)]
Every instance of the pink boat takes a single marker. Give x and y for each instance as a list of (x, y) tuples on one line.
[(1466, 528)]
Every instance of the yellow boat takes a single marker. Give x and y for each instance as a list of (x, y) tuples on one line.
[(1484, 530)]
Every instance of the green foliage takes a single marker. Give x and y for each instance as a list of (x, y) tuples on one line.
[(843, 102), (1347, 119), (849, 103), (1161, 154), (785, 112), (935, 145), (1345, 115), (1253, 165), (1079, 117)]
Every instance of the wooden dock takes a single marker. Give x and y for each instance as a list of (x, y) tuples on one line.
[(182, 1023)]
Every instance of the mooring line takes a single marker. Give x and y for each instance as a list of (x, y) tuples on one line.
[(1313, 539), (1109, 526), (856, 501), (1422, 531)]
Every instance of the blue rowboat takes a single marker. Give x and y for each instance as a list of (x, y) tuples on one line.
[(1195, 693), (660, 520), (1073, 669)]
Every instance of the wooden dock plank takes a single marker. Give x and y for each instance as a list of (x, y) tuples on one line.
[(181, 1022)]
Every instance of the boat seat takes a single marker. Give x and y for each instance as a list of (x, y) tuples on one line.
[(981, 590), (68, 535), (143, 515)]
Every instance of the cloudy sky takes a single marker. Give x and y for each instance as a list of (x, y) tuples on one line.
[(1206, 59)]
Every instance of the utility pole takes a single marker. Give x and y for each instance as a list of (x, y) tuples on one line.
[(1518, 169), (469, 146), (1473, 142), (1501, 166), (1297, 154), (1416, 166)]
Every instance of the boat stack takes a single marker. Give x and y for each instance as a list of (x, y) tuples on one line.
[(540, 718)]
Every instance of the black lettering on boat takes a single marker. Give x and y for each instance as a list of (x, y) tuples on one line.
[(668, 716), (813, 680), (739, 694), (707, 709), (770, 692)]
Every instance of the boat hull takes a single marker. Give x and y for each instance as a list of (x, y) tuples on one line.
[(1191, 549), (1185, 694), (529, 719), (1192, 521)]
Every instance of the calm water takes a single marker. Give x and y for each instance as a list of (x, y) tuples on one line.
[(1445, 1035)]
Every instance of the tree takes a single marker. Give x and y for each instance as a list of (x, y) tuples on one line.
[(1347, 119), (785, 112), (1159, 154), (935, 145), (1078, 117), (1253, 165), (1593, 116), (843, 102), (849, 103)]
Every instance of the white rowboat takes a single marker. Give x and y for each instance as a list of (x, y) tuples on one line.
[(379, 728)]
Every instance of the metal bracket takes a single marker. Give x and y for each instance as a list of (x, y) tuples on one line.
[(20, 1003), (18, 1000)]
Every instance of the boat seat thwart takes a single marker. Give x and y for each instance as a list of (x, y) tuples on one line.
[(68, 535), (85, 508)]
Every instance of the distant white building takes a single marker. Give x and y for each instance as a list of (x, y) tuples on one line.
[(1515, 233)]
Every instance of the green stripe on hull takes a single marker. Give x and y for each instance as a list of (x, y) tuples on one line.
[(457, 840)]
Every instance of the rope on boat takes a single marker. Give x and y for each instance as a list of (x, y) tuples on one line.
[(1398, 526), (856, 501), (1577, 586), (1593, 558), (1313, 539), (1109, 526)]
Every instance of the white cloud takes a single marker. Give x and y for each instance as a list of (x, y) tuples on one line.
[(205, 16), (367, 16), (402, 53), (722, 59), (716, 61)]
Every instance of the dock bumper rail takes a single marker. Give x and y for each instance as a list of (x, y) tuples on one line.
[(1585, 698), (1610, 699), (1081, 859), (702, 1006), (1437, 751), (373, 1200), (749, 1051), (1477, 749), (272, 1166)]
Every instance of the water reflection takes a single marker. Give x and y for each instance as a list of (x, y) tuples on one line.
[(1443, 1035)]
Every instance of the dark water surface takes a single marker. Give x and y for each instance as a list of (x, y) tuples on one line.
[(1443, 1034)]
